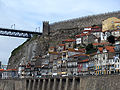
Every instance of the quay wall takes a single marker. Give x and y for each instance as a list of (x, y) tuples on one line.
[(12, 84), (105, 82)]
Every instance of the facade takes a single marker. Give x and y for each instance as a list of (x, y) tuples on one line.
[(83, 60), (9, 73), (69, 43), (104, 60), (72, 64), (110, 24), (85, 39), (116, 33)]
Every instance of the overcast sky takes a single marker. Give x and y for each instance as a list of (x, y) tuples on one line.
[(29, 14)]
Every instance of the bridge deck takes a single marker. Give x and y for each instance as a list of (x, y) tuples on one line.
[(18, 33)]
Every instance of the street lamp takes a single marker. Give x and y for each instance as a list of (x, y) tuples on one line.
[(13, 26), (38, 29)]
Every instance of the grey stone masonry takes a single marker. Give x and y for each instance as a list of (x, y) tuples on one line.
[(83, 21), (46, 28)]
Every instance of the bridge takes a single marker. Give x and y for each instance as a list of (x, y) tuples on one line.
[(18, 33)]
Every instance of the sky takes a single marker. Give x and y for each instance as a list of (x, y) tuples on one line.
[(29, 14)]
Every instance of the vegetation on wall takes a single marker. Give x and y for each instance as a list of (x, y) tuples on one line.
[(15, 51)]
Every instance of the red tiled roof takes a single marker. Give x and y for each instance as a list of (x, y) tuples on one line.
[(77, 36), (96, 27), (96, 44), (11, 70), (61, 44), (1, 69), (110, 48), (69, 40), (117, 22), (84, 34), (82, 50), (100, 49), (86, 60)]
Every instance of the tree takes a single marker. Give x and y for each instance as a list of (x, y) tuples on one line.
[(111, 39), (90, 49)]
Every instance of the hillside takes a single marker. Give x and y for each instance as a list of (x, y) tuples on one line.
[(38, 45)]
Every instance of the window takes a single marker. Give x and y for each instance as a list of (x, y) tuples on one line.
[(64, 54), (69, 45), (118, 26), (113, 60)]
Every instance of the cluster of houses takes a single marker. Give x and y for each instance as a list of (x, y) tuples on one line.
[(89, 53), (7, 73)]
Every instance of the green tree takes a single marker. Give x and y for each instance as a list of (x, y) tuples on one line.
[(90, 49), (111, 39)]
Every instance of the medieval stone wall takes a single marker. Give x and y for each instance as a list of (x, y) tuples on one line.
[(13, 84), (83, 21)]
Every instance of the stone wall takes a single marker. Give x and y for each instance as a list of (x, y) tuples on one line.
[(12, 84), (83, 21), (106, 82)]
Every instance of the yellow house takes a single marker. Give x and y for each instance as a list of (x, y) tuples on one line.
[(112, 23)]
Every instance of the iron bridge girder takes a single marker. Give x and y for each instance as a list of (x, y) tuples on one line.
[(17, 33)]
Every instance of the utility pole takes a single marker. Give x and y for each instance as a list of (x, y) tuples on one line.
[(35, 29), (39, 29), (14, 26)]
